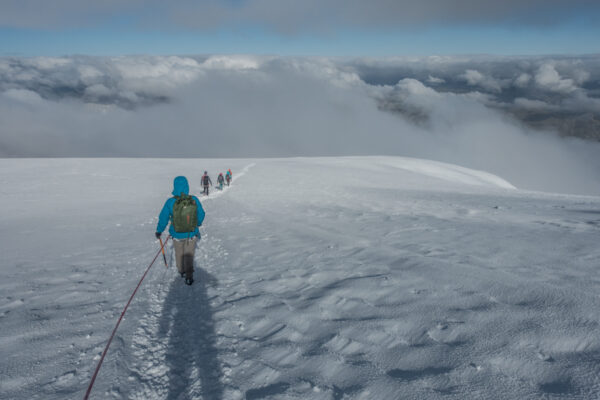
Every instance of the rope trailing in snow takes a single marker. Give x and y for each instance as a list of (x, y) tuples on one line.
[(87, 393)]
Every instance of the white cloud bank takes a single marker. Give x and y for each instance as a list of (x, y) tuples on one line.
[(476, 78), (548, 78), (267, 106)]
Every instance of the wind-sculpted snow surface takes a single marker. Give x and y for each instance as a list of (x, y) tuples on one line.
[(317, 278)]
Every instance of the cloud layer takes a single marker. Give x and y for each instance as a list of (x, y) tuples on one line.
[(472, 112)]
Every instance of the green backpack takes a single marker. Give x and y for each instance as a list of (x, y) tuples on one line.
[(185, 214)]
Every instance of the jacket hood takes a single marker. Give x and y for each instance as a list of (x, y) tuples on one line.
[(180, 185)]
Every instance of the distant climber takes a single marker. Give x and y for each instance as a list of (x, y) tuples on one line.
[(185, 213), (220, 181), (228, 176), (205, 181)]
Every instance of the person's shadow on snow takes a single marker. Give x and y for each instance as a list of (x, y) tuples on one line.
[(187, 324)]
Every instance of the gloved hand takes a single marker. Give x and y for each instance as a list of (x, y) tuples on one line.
[(157, 234)]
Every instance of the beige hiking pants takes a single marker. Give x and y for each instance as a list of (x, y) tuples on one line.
[(184, 255)]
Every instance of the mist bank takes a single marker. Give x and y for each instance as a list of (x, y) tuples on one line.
[(466, 111)]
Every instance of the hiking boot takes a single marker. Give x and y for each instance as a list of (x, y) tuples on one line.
[(189, 281)]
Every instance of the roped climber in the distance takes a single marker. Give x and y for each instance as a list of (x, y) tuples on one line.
[(205, 181)]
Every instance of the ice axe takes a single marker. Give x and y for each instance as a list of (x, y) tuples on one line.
[(162, 248)]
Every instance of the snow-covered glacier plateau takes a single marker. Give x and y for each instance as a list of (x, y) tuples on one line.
[(316, 278)]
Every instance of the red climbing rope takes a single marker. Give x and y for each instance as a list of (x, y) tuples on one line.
[(89, 389)]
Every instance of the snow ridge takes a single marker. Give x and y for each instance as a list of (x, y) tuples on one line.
[(449, 172)]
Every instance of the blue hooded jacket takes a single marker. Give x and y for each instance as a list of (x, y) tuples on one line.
[(180, 185)]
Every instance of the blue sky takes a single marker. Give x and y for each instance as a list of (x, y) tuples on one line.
[(434, 41), (334, 28)]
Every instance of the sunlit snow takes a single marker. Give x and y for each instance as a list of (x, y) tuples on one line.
[(317, 278)]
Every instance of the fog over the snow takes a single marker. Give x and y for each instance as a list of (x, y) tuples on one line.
[(532, 121)]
